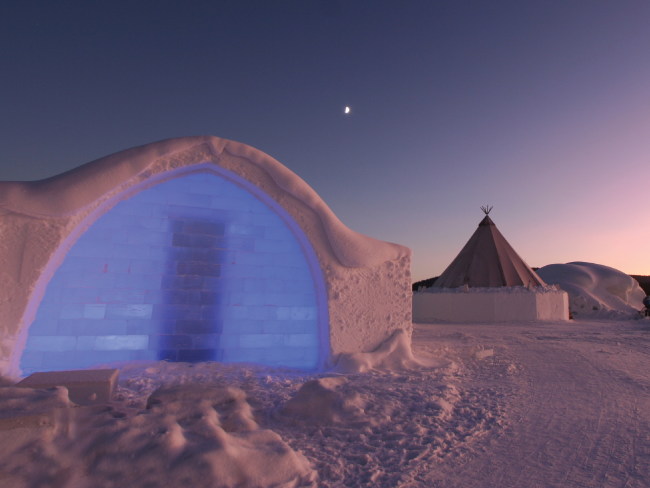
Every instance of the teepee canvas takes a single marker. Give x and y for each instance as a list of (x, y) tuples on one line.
[(489, 282), (487, 260)]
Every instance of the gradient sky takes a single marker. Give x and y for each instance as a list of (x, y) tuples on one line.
[(541, 109)]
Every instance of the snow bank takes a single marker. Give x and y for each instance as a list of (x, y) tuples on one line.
[(393, 355), (321, 402), (14, 400), (189, 436), (596, 291), (174, 424)]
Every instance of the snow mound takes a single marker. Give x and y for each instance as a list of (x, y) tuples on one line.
[(596, 291), (321, 402), (180, 424), (27, 400), (188, 436), (395, 354)]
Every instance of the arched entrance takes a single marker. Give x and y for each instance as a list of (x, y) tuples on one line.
[(193, 269)]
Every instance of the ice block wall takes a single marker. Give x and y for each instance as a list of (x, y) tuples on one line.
[(192, 269)]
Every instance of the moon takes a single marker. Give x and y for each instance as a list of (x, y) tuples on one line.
[(347, 110)]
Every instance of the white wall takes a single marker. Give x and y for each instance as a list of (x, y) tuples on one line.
[(490, 307)]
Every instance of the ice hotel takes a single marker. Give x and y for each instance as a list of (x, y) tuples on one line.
[(190, 249)]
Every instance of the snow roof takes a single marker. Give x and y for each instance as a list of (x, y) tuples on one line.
[(71, 193), (487, 260)]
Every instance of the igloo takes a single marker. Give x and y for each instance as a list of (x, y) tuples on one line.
[(595, 290), (189, 249)]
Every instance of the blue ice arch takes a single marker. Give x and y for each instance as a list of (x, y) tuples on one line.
[(193, 269)]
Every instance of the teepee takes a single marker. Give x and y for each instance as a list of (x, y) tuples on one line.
[(487, 260)]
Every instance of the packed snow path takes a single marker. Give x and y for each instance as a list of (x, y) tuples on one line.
[(580, 416)]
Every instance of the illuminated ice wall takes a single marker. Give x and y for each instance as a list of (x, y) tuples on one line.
[(193, 269)]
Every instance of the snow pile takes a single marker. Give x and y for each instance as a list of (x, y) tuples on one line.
[(337, 402), (212, 424), (322, 402), (386, 428), (26, 400), (479, 352), (393, 355), (198, 436), (596, 290)]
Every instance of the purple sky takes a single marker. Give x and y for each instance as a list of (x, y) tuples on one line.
[(541, 109)]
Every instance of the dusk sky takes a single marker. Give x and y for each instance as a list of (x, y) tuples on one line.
[(539, 108)]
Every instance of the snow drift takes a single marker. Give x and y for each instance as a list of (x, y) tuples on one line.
[(322, 402), (198, 436), (595, 290), (242, 425), (395, 355)]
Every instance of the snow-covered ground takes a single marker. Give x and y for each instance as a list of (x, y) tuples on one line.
[(557, 404), (575, 400)]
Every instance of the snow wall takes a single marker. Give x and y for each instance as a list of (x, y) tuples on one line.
[(503, 304), (596, 291), (188, 249)]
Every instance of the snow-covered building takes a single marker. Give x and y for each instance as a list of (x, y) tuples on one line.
[(189, 249), (489, 282)]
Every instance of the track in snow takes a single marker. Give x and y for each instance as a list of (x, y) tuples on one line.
[(580, 416)]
